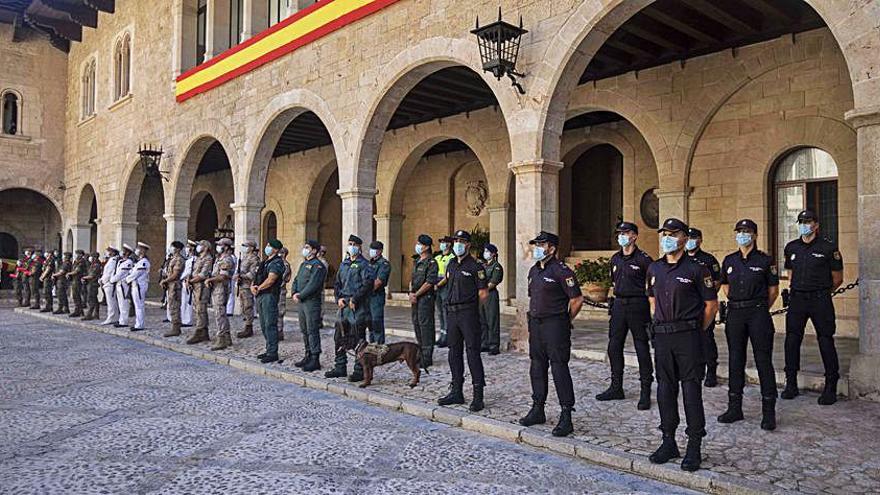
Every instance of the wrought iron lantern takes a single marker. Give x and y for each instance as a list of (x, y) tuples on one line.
[(150, 160), (499, 48)]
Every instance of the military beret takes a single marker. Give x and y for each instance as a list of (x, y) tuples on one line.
[(746, 223), (250, 244), (377, 245), (355, 239), (177, 244), (425, 240), (275, 243), (225, 242), (67, 254), (313, 244), (546, 237), (463, 235), (673, 225), (627, 227), (695, 233), (492, 248), (806, 216), (79, 251)]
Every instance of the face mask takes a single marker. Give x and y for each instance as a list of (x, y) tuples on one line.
[(353, 250), (539, 253), (374, 254), (34, 256), (487, 256), (91, 259), (419, 249), (27, 254), (804, 229), (55, 253), (668, 244), (623, 240), (458, 248), (200, 248), (743, 238), (138, 252), (268, 250), (306, 252), (444, 246), (46, 254), (219, 249), (691, 245)]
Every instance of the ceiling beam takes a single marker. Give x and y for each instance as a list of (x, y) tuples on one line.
[(770, 9), (713, 11), (108, 6), (673, 21), (78, 13), (631, 47), (65, 29), (657, 33)]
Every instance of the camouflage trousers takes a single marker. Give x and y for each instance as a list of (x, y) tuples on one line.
[(219, 297), (247, 305), (201, 295), (174, 295)]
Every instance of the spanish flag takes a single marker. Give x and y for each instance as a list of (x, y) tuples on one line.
[(298, 30)]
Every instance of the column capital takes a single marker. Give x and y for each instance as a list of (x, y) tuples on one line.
[(357, 193), (863, 117), (172, 217), (498, 209), (246, 208), (535, 167), (391, 217), (124, 225), (83, 226), (672, 193)]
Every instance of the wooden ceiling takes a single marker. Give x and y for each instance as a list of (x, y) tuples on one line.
[(59, 20), (675, 30)]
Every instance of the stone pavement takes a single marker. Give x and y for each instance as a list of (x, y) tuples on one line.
[(815, 449), (85, 413)]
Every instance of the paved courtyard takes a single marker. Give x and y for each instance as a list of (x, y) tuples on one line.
[(82, 412)]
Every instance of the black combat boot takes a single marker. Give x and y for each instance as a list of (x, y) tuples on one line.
[(711, 377), (644, 397), (477, 404), (564, 427), (791, 387), (535, 416), (494, 350), (455, 396), (829, 394), (692, 457), (441, 342), (302, 362), (734, 410), (357, 375), (667, 450), (336, 372), (768, 411), (614, 391), (313, 364)]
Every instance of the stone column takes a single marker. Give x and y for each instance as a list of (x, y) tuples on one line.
[(102, 235), (247, 222), (125, 233), (864, 373), (82, 236), (217, 28), (537, 198), (389, 228), (357, 214), (176, 227), (255, 18), (673, 203), (301, 232), (498, 235)]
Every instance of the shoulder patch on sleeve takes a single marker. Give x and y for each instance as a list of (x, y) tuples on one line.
[(707, 281), (481, 274), (569, 281), (773, 270), (837, 255), (716, 267)]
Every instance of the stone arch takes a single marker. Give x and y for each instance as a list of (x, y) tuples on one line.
[(279, 113), (27, 220), (53, 194), (395, 80), (313, 202), (87, 195), (177, 201)]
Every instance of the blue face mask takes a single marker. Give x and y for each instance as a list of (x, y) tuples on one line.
[(374, 253), (623, 240), (267, 250), (668, 244), (691, 245), (539, 253), (458, 248), (353, 250), (743, 239), (804, 229), (419, 249), (444, 246)]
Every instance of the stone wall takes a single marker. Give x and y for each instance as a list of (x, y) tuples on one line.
[(30, 218)]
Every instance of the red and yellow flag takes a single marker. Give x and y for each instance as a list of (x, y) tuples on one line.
[(298, 30)]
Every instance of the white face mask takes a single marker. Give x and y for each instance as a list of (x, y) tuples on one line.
[(200, 248), (138, 252), (91, 259), (219, 249), (306, 252), (419, 249), (46, 254), (487, 256)]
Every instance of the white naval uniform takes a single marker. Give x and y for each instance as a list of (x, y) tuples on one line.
[(110, 290), (186, 308), (139, 280), (123, 268), (230, 302)]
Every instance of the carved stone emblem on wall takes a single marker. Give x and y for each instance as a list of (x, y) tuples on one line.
[(476, 194)]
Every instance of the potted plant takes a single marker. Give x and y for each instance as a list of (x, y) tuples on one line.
[(479, 239), (594, 276)]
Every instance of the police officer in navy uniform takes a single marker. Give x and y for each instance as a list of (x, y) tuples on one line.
[(751, 283), (710, 348), (554, 300), (468, 289), (816, 269), (630, 312), (684, 300)]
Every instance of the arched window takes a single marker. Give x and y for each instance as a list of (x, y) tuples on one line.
[(88, 90), (805, 178), (11, 113), (270, 229), (122, 67)]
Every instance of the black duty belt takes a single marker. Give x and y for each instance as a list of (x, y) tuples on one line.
[(456, 308), (751, 303), (676, 326), (630, 299), (811, 294), (542, 319)]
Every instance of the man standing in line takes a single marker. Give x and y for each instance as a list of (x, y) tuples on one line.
[(123, 289), (80, 267), (22, 292), (172, 285), (443, 258), (218, 284), (246, 272), (308, 289), (380, 270), (109, 269), (139, 281), (233, 280), (92, 281), (710, 348), (353, 285), (421, 297), (282, 295), (186, 293), (62, 283), (201, 293), (47, 279), (35, 268), (490, 313), (266, 289)]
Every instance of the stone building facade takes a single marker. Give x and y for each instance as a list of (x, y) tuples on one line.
[(702, 138)]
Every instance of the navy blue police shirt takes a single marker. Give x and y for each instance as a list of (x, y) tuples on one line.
[(811, 263), (629, 272), (680, 290), (466, 279), (551, 286), (709, 261), (750, 277)]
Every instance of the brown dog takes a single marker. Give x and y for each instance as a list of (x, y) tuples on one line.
[(372, 355)]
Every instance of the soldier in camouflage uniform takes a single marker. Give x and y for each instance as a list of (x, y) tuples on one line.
[(62, 284), (22, 288), (80, 267), (247, 271), (201, 293), (221, 274), (282, 298), (92, 282), (172, 285), (35, 268), (49, 267)]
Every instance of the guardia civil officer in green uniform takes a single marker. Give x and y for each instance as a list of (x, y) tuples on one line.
[(442, 291), (421, 297), (352, 288), (490, 313), (380, 270), (267, 289), (308, 289)]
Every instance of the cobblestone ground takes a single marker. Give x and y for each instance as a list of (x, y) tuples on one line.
[(87, 413), (814, 450)]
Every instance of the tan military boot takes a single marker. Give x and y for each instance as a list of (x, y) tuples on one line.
[(247, 332), (174, 331), (200, 335), (222, 342)]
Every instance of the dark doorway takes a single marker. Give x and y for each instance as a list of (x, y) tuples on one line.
[(206, 219), (8, 251), (271, 228), (596, 198)]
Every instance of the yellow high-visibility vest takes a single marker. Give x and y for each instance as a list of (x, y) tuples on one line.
[(442, 261)]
